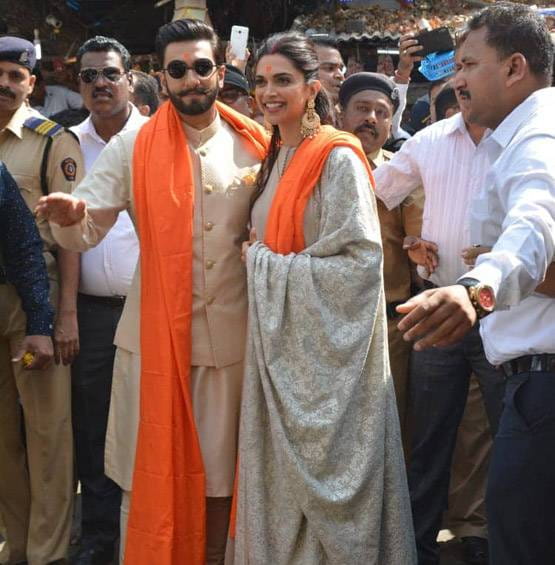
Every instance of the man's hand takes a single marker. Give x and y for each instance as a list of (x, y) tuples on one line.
[(40, 347), (470, 254), (66, 338), (247, 244), (437, 317), (230, 58), (62, 209), (408, 55), (422, 252)]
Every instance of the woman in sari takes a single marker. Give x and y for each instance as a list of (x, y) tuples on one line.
[(321, 471)]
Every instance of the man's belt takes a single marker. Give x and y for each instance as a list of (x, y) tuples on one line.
[(542, 362), (113, 301), (391, 310)]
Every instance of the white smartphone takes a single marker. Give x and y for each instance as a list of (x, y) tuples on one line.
[(238, 41)]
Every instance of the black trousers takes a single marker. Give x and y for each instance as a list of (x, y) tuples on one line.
[(438, 389), (521, 481), (91, 388)]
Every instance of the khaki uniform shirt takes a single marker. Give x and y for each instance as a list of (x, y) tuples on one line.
[(396, 224), (22, 149), (224, 164)]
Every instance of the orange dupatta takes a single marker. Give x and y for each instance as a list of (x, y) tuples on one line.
[(167, 516), (284, 230)]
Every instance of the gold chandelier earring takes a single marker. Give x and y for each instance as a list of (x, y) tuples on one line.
[(310, 122)]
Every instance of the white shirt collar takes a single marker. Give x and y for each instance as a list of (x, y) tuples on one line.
[(506, 130), (455, 124), (86, 127)]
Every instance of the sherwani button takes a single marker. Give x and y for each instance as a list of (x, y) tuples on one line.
[(208, 189), (202, 152), (209, 263), (210, 300), (208, 226)]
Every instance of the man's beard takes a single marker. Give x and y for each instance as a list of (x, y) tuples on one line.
[(195, 107)]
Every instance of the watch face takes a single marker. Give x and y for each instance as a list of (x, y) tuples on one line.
[(486, 298)]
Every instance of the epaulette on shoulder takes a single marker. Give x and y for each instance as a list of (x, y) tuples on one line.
[(43, 126)]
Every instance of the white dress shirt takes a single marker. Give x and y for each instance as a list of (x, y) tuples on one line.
[(445, 161), (107, 269), (58, 98), (515, 213)]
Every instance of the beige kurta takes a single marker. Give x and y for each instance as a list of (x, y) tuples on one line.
[(223, 166)]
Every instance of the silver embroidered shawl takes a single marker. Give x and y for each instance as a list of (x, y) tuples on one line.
[(321, 477)]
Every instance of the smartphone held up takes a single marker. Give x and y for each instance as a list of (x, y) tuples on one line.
[(238, 42)]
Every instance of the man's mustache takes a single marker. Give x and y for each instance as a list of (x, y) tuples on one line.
[(367, 127), (6, 92), (105, 91), (199, 91), (464, 93)]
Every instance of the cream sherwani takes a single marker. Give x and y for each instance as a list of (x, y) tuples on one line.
[(223, 168)]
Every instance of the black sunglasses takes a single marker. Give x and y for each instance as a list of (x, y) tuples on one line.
[(202, 67), (113, 74)]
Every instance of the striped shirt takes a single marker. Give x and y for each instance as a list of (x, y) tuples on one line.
[(446, 162)]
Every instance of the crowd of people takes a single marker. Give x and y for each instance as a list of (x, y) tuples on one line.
[(260, 322)]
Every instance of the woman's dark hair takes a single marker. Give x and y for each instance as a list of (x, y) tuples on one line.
[(184, 30), (301, 52), (101, 44)]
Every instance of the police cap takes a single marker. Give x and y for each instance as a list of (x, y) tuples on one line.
[(368, 81), (18, 50)]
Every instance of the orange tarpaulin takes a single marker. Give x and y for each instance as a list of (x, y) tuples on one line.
[(167, 515)]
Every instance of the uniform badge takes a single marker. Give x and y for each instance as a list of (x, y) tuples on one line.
[(69, 168), (24, 57)]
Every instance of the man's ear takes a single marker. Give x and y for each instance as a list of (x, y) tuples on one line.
[(32, 82), (144, 110), (517, 68), (221, 76), (251, 104), (163, 82)]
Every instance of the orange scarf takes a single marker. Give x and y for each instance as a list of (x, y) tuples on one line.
[(167, 516), (284, 230)]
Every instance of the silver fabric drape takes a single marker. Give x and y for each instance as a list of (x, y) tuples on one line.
[(321, 470)]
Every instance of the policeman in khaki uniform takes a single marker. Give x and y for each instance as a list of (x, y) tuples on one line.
[(368, 102), (36, 474)]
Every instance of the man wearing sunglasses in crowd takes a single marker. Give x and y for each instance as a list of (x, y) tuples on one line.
[(36, 466), (235, 92), (106, 272), (187, 179)]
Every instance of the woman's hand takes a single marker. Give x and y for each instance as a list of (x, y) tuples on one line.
[(247, 244)]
